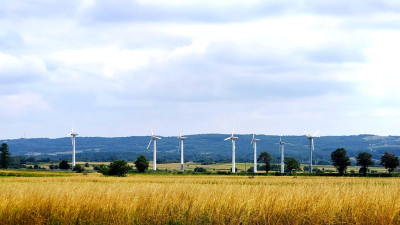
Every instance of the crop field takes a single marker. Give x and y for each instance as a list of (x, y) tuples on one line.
[(194, 199)]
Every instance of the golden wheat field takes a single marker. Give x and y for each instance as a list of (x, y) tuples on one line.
[(174, 199)]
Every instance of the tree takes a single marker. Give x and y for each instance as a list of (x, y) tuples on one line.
[(5, 156), (87, 165), (340, 160), (291, 164), (200, 170), (78, 168), (64, 165), (118, 168), (364, 159), (389, 161), (141, 164), (265, 158)]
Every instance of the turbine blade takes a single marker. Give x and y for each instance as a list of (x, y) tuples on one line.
[(151, 130), (148, 146), (233, 130), (227, 138), (251, 141), (316, 133), (73, 125)]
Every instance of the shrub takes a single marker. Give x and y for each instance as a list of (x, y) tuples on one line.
[(118, 168), (87, 165), (141, 164), (78, 168), (64, 165), (200, 170)]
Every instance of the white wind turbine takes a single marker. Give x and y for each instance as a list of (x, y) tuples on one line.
[(311, 138), (282, 144), (154, 139), (181, 147), (254, 143), (73, 135), (233, 150)]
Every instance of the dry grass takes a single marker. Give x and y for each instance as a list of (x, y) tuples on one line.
[(152, 199)]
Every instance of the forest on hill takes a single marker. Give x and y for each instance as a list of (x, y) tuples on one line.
[(207, 148)]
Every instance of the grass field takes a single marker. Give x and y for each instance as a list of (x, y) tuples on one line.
[(174, 199), (224, 166)]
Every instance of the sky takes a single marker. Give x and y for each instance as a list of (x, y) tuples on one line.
[(275, 67)]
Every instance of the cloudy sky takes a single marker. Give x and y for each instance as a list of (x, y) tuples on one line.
[(271, 67)]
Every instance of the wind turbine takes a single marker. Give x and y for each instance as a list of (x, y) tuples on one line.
[(73, 135), (181, 144), (154, 139), (282, 144), (254, 143), (311, 137), (233, 150)]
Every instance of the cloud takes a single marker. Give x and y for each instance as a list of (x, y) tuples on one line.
[(21, 69)]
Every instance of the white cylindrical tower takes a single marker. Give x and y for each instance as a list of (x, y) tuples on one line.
[(182, 155), (282, 159), (255, 157), (233, 157), (155, 155)]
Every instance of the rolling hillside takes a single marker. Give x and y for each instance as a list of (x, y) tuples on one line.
[(202, 147)]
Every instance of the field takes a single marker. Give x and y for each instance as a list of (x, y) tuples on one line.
[(194, 199), (223, 166)]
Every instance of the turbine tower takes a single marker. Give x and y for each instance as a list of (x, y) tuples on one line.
[(254, 143), (311, 138), (233, 150), (181, 144), (154, 139), (73, 135), (282, 144)]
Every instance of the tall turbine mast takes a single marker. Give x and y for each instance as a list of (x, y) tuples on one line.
[(154, 139), (254, 143), (282, 144), (73, 135), (311, 138), (233, 150), (181, 144)]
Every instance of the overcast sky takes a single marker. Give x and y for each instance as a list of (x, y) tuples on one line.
[(271, 67)]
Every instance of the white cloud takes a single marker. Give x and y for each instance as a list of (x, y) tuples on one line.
[(284, 65)]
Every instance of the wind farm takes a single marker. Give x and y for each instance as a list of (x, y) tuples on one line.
[(193, 112)]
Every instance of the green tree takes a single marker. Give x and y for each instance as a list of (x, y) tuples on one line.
[(118, 168), (340, 160), (389, 161), (64, 165), (266, 158), (291, 164), (5, 156), (364, 159), (141, 164), (78, 168)]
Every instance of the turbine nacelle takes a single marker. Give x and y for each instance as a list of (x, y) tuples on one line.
[(231, 137), (153, 138), (309, 136), (180, 137), (72, 131), (254, 140)]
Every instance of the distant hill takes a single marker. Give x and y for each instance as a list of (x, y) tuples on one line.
[(202, 147)]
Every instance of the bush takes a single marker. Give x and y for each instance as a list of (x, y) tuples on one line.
[(141, 164), (87, 165), (64, 165), (78, 168), (103, 169), (200, 170), (118, 168)]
